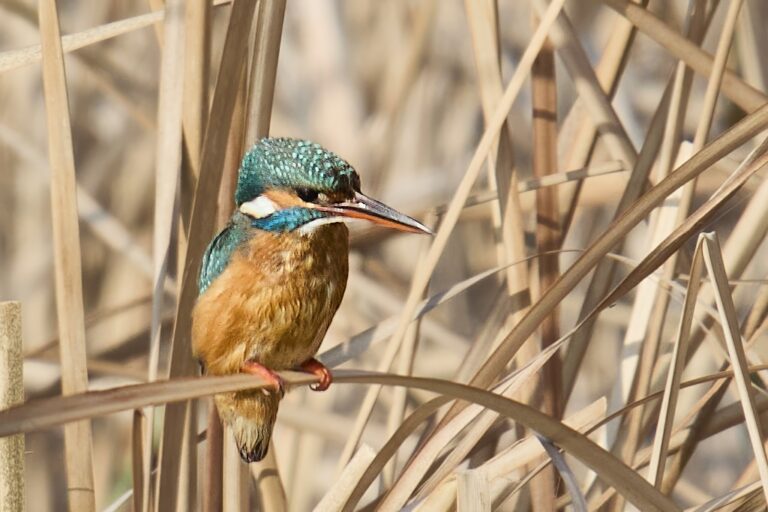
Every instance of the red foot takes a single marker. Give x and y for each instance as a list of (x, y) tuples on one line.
[(275, 381), (315, 367)]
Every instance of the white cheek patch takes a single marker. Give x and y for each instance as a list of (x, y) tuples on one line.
[(311, 226), (258, 208)]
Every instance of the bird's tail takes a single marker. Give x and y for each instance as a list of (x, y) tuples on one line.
[(251, 416)]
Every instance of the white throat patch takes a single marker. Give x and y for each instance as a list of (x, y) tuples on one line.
[(258, 208)]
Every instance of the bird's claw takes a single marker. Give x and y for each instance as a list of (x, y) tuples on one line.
[(275, 382), (315, 367)]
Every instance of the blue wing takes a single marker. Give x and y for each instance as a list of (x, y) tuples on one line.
[(218, 254)]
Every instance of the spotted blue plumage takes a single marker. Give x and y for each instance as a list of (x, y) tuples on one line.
[(283, 163), (219, 251)]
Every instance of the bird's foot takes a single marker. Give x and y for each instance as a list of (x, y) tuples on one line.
[(315, 367), (275, 382)]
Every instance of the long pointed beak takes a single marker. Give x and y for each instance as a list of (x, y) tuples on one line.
[(367, 208)]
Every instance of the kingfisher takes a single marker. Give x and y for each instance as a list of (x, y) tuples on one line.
[(272, 279)]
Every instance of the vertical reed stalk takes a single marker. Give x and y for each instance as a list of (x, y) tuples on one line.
[(67, 261), (11, 393), (544, 100), (234, 474), (259, 102), (201, 229)]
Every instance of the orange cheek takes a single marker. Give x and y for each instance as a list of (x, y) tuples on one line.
[(284, 199)]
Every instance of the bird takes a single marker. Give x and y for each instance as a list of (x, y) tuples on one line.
[(272, 279)]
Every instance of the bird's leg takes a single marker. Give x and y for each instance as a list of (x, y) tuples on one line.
[(315, 367), (274, 380)]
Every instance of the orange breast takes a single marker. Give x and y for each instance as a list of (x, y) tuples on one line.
[(274, 301)]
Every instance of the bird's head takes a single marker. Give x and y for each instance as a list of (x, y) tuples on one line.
[(287, 184)]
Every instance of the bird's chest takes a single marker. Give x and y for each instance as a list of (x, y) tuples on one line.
[(274, 301)]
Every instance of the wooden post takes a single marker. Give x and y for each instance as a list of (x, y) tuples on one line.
[(11, 393)]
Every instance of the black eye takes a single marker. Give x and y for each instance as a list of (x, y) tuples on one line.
[(307, 194)]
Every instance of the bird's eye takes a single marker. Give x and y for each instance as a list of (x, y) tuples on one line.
[(307, 194)]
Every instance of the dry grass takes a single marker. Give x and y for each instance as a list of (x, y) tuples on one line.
[(584, 313)]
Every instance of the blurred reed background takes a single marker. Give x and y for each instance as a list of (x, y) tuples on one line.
[(163, 98)]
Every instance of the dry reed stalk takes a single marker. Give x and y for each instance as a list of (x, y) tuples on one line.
[(67, 260), (502, 175), (197, 63), (138, 436), (474, 420), (13, 59), (269, 31), (503, 178), (729, 318), (725, 418), (187, 485), (194, 116), (733, 87), (167, 163), (423, 273), (271, 494), (740, 247), (11, 393), (44, 413), (428, 450), (503, 181), (473, 491), (544, 162), (213, 485), (234, 474), (508, 461), (551, 180), (306, 453), (587, 86), (337, 495), (404, 366), (756, 316), (582, 139), (664, 216), (734, 500), (234, 477), (257, 115), (156, 6), (750, 38), (643, 374), (544, 99), (648, 314), (641, 342), (602, 277), (674, 376), (201, 229), (644, 330)]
